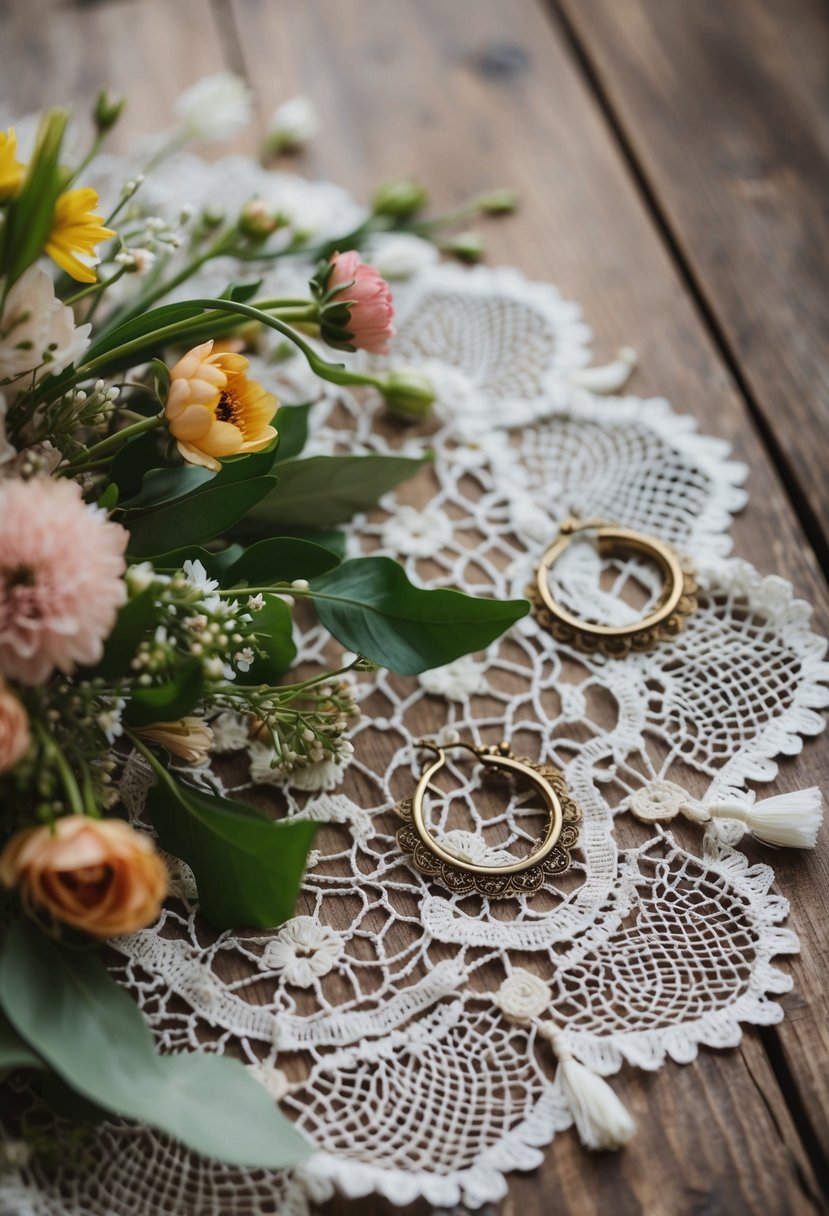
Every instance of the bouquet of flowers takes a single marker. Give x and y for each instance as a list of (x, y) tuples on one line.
[(158, 524)]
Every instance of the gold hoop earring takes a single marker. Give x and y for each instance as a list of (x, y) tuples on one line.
[(677, 601), (462, 875)]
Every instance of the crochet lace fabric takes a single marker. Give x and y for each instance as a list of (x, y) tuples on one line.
[(370, 1015)]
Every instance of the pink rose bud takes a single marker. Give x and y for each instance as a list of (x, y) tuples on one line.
[(368, 296)]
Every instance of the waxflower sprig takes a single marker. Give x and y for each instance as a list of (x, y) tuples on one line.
[(155, 568)]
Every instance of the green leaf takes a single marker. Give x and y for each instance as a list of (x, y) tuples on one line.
[(280, 560), (331, 540), (272, 628), (241, 291), (369, 605), (73, 1014), (15, 1052), (109, 498), (248, 869), (165, 485), (132, 625), (167, 702), (132, 461), (144, 324), (202, 515), (215, 564), (326, 490), (29, 217), (291, 422)]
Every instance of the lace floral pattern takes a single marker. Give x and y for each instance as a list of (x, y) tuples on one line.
[(379, 1001)]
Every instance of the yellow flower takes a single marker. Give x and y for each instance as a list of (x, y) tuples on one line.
[(11, 170), (76, 229), (214, 410)]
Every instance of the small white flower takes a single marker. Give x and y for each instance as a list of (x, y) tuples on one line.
[(322, 775), (196, 576), (109, 719), (256, 602), (456, 681), (522, 996), (15, 1153), (303, 950), (416, 533), (38, 331), (400, 255), (244, 658), (230, 732), (215, 669), (215, 107), (293, 123)]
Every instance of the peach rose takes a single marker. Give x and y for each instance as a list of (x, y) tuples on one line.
[(98, 875), (14, 730)]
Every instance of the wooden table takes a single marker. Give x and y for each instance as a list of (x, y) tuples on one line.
[(673, 163)]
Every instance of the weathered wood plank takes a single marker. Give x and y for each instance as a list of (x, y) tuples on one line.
[(54, 53), (468, 96), (725, 108)]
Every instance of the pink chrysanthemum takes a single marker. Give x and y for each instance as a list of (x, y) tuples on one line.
[(61, 568)]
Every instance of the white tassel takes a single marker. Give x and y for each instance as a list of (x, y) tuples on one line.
[(602, 1121), (789, 821), (610, 377)]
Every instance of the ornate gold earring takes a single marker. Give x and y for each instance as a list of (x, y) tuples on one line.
[(462, 875), (677, 601)]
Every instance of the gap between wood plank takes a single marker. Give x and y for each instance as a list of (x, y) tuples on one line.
[(802, 507), (806, 517)]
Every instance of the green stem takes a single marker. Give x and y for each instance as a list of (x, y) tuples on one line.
[(95, 287), (111, 441), (54, 753)]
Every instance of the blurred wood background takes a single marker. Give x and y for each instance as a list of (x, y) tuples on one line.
[(673, 164)]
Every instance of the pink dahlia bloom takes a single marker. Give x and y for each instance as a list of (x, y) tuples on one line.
[(61, 584), (371, 303)]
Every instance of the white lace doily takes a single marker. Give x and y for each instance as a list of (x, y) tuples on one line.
[(370, 1015)]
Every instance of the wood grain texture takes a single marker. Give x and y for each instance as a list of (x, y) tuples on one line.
[(725, 108), (467, 95), (512, 108)]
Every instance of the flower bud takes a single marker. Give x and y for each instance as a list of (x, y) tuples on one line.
[(467, 246), (399, 198), (498, 202), (408, 395), (107, 111), (257, 221)]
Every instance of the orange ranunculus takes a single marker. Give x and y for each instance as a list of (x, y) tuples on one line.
[(98, 875), (214, 410)]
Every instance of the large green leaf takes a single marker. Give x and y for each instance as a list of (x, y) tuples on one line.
[(72, 1013), (272, 626), (370, 606), (291, 422), (280, 560), (15, 1052), (131, 626), (165, 485), (202, 515), (323, 491), (248, 868), (167, 702), (215, 564), (133, 460)]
